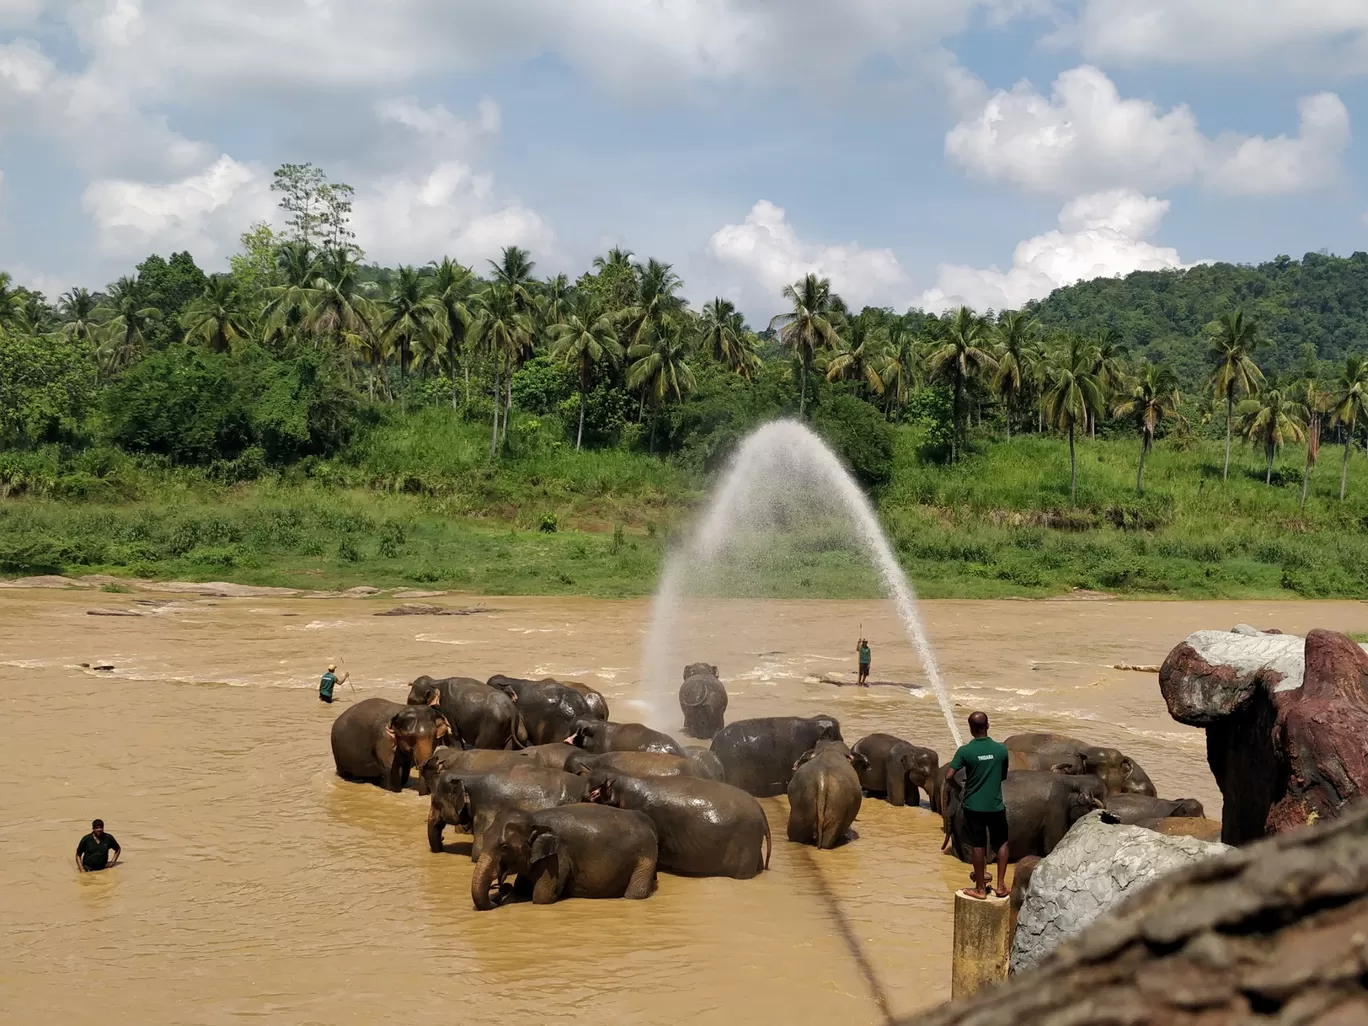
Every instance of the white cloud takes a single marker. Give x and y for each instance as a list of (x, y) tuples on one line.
[(1101, 235), (769, 251), (1085, 136)]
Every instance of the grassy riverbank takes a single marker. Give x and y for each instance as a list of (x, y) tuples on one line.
[(418, 504)]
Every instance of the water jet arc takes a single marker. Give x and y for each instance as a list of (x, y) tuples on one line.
[(770, 460)]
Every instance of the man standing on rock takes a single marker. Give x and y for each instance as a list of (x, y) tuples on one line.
[(863, 649), (984, 762), (330, 680)]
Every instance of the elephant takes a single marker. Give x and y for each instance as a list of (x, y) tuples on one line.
[(481, 716), (1041, 807), (897, 768), (380, 740), (705, 827), (708, 765), (598, 705), (574, 851), (703, 701), (633, 764), (472, 801), (1021, 881), (1132, 808), (550, 710), (758, 755), (1121, 774), (469, 762), (825, 795), (599, 736), (552, 756)]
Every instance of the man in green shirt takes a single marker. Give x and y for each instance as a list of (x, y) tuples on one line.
[(863, 649), (330, 680), (984, 762)]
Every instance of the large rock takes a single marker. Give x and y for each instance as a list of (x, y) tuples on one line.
[(1096, 866), (1270, 934), (1285, 717)]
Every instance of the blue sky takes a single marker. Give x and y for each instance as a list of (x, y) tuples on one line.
[(925, 152)]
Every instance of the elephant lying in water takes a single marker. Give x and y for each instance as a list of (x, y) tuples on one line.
[(599, 736), (379, 740), (896, 769), (1132, 808), (758, 755), (824, 795), (1120, 773), (1041, 807), (480, 716), (576, 851), (705, 828), (703, 701), (549, 709), (472, 802)]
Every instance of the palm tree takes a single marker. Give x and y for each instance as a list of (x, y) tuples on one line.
[(501, 329), (1271, 420), (660, 367), (1016, 339), (1314, 403), (451, 288), (899, 365), (1110, 371), (80, 312), (723, 336), (218, 317), (341, 308), (857, 351), (1350, 403), (1074, 393), (657, 300), (615, 257), (585, 340), (961, 357), (556, 295), (12, 300), (513, 272), (1235, 371), (410, 313), (125, 325), (809, 327), (1153, 396), (290, 305)]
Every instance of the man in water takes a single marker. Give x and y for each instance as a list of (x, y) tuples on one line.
[(92, 853), (863, 649), (330, 680), (984, 762)]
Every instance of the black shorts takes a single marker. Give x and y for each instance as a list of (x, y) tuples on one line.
[(325, 698), (864, 669), (981, 826)]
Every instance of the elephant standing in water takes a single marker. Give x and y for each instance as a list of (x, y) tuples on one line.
[(758, 755), (481, 716), (379, 740), (550, 710), (469, 762), (895, 769), (473, 801), (705, 760), (634, 764), (703, 701), (1120, 773), (598, 736), (575, 851), (1041, 807), (705, 828), (825, 795), (598, 705)]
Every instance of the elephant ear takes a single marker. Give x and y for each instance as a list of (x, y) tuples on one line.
[(858, 760), (1068, 769), (1126, 766), (443, 728), (543, 846)]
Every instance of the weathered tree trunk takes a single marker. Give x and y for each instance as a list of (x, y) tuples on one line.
[(1268, 471), (1073, 468), (1230, 415), (1140, 474), (494, 438), (1344, 472), (579, 437)]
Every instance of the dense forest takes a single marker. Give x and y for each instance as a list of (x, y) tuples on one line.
[(303, 363)]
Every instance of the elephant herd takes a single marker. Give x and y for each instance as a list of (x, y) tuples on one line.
[(564, 802)]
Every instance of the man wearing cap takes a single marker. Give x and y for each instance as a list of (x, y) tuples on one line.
[(330, 681)]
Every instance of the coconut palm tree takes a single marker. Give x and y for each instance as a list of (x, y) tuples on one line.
[(1153, 396), (79, 310), (290, 305), (1072, 395), (341, 308), (12, 299), (410, 314), (218, 317), (961, 356), (1015, 334), (124, 325), (809, 327), (513, 272), (722, 335), (658, 299), (584, 341), (1314, 403), (500, 329), (555, 301), (1349, 404), (452, 286), (1271, 420), (899, 366), (857, 351), (660, 367), (1235, 372)]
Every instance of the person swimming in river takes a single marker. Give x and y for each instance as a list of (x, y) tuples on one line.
[(330, 680), (863, 649)]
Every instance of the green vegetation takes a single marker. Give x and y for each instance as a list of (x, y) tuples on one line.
[(311, 420)]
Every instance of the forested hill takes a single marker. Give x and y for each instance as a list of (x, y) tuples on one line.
[(1319, 300)]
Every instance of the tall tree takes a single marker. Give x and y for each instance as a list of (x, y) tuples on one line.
[(298, 186), (1235, 373), (290, 304), (660, 368), (855, 356), (1073, 394), (961, 356), (584, 341), (809, 327), (500, 329), (220, 317), (410, 313), (452, 287), (723, 336), (11, 300), (1314, 403), (1271, 420), (80, 312), (125, 325), (341, 308), (1015, 334), (1153, 395), (513, 273), (1350, 403), (1109, 367)]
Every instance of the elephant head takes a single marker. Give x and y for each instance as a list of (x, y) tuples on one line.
[(858, 761), (828, 729), (591, 735), (1119, 772), (1189, 807), (700, 670), (451, 801), (416, 731), (922, 767), (512, 846), (602, 788), (1087, 795), (424, 691), (581, 764)]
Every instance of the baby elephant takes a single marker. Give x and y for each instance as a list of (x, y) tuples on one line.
[(576, 851), (897, 768), (472, 802), (703, 701), (824, 795), (599, 736)]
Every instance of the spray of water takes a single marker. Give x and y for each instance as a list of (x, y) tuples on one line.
[(783, 481)]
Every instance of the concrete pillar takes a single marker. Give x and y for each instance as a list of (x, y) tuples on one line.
[(983, 943)]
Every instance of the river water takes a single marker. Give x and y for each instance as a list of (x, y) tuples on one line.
[(255, 886)]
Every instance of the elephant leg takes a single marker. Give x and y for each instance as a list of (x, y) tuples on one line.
[(435, 826), (895, 779), (552, 874), (396, 775), (643, 879)]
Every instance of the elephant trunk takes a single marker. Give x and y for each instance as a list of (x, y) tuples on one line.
[(486, 869)]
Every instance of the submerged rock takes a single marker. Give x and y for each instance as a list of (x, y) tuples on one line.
[(427, 609), (113, 612), (1273, 933), (1096, 866)]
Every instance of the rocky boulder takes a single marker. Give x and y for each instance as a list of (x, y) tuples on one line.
[(1285, 718), (1092, 870), (1270, 934)]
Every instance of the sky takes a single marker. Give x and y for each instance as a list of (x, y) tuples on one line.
[(917, 152)]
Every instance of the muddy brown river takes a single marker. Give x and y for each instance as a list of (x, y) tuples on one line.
[(256, 886)]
